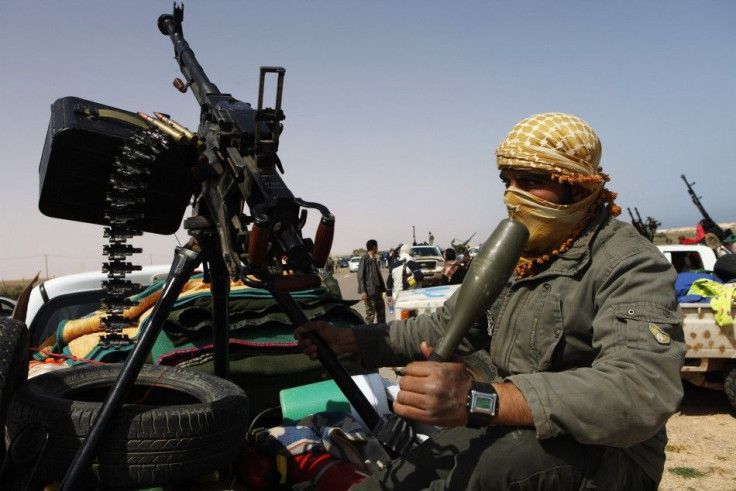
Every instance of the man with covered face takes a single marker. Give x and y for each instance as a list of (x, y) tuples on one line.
[(576, 364)]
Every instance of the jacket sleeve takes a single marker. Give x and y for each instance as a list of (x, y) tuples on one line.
[(390, 281), (362, 266), (398, 343), (415, 270), (633, 385)]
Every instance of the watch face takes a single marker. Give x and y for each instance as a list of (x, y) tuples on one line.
[(483, 403)]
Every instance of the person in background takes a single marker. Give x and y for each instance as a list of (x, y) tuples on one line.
[(371, 286), (582, 349), (453, 272), (404, 274)]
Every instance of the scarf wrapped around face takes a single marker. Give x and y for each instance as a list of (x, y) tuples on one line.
[(566, 148)]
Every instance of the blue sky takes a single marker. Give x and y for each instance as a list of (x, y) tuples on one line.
[(393, 109)]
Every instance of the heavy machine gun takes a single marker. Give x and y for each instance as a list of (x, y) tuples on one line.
[(709, 226), (648, 229), (461, 247), (246, 225)]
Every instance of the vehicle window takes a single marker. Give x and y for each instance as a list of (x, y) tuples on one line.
[(61, 308), (6, 309), (696, 263), (424, 251), (686, 261)]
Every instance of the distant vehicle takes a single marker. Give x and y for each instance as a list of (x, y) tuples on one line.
[(430, 261), (343, 262), (6, 306), (353, 264)]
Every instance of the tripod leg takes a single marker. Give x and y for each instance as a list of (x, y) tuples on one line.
[(185, 260), (220, 288)]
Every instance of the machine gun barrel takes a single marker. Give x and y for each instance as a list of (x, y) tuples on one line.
[(170, 25), (698, 204)]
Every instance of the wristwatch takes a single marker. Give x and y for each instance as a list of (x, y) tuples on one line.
[(482, 404)]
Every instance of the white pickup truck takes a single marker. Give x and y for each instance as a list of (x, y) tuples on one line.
[(711, 349), (710, 360)]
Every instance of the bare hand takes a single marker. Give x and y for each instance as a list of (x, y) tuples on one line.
[(364, 296), (434, 393), (340, 340)]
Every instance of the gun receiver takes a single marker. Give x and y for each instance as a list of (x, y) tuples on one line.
[(237, 164), (707, 223)]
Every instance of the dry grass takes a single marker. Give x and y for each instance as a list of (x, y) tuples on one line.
[(12, 288), (701, 448)]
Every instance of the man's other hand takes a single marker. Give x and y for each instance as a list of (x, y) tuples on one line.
[(340, 340)]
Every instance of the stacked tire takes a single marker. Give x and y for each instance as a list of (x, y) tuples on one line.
[(13, 361), (175, 424)]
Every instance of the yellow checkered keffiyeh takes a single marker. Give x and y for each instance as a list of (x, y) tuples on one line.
[(554, 143)]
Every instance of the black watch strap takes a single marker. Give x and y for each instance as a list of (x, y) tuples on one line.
[(482, 404)]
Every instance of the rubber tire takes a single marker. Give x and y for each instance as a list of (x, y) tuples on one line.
[(191, 423), (14, 357), (729, 384)]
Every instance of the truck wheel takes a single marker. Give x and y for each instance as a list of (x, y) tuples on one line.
[(174, 425), (729, 385), (13, 360)]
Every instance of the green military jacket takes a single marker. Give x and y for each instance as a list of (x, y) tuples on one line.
[(594, 342)]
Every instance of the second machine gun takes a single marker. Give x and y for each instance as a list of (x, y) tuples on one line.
[(709, 226)]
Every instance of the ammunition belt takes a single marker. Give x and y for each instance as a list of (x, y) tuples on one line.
[(124, 205)]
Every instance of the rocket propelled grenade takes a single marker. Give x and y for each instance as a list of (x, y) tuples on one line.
[(488, 273)]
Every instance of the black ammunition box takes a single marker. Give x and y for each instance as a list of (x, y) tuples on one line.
[(83, 140)]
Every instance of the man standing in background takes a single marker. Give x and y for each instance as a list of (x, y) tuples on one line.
[(404, 274), (453, 273), (370, 284)]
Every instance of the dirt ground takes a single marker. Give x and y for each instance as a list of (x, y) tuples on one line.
[(701, 454)]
